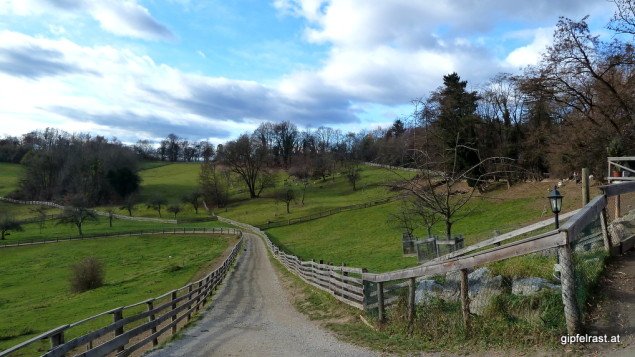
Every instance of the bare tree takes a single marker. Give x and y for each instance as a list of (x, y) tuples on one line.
[(286, 195), (214, 184), (77, 215), (41, 215), (156, 203), (8, 223), (174, 209), (352, 172), (440, 187), (129, 204), (247, 158), (193, 198)]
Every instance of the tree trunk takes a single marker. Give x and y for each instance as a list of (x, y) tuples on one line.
[(79, 228), (448, 229), (288, 202)]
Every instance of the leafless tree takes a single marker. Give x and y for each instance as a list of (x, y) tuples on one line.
[(247, 157)]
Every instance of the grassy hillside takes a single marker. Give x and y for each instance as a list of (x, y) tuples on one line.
[(320, 196), (171, 181), (174, 180), (36, 296), (9, 177), (366, 238), (54, 230)]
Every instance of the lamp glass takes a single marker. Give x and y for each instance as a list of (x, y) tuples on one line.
[(555, 198)]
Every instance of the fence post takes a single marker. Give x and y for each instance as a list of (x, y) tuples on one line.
[(116, 316), (189, 300), (57, 339), (571, 312), (380, 302), (152, 317), (412, 287), (605, 231), (465, 300), (173, 296), (585, 186)]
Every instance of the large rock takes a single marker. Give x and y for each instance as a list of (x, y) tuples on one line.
[(429, 289), (483, 288), (532, 286), (426, 290)]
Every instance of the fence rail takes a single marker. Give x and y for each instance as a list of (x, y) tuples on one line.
[(388, 285), (287, 222), (220, 230), (163, 313), (100, 213), (344, 283)]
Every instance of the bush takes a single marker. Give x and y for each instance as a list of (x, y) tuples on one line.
[(87, 275)]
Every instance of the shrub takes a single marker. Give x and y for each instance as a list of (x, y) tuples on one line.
[(86, 275)]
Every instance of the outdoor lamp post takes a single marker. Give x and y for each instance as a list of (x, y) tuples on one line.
[(555, 198)]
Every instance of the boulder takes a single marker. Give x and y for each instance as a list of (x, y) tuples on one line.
[(532, 286), (483, 287), (427, 289)]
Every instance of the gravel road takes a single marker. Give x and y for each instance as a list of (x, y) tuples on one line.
[(251, 316)]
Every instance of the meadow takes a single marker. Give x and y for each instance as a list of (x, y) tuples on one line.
[(9, 177), (36, 296), (174, 180), (369, 238)]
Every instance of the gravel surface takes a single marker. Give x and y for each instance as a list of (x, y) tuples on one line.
[(251, 316)]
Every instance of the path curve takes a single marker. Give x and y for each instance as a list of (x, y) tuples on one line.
[(251, 315)]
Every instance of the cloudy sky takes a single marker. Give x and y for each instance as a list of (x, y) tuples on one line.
[(212, 69)]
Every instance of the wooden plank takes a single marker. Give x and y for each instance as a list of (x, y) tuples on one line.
[(584, 217), (39, 337), (510, 250), (503, 237), (618, 189)]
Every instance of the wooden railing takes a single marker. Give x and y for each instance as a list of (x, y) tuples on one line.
[(185, 230), (131, 331), (491, 250), (344, 283), (100, 213)]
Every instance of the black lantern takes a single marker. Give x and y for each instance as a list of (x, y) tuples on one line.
[(555, 199)]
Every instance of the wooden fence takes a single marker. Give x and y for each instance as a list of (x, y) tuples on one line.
[(100, 213), (138, 325), (492, 250), (344, 283), (286, 222), (219, 230)]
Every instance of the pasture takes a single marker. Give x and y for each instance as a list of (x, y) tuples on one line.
[(9, 177), (368, 238), (36, 296)]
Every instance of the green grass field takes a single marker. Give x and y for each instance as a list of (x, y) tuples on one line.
[(174, 180), (171, 181), (54, 230), (367, 238), (36, 295), (9, 177)]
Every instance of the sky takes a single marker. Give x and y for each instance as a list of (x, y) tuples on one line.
[(142, 69)]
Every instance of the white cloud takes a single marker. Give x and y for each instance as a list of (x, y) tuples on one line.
[(120, 17), (392, 51), (531, 53), (118, 90)]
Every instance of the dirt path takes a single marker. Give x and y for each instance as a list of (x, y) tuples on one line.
[(614, 313), (251, 316)]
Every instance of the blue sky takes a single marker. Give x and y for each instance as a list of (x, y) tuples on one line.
[(141, 69)]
